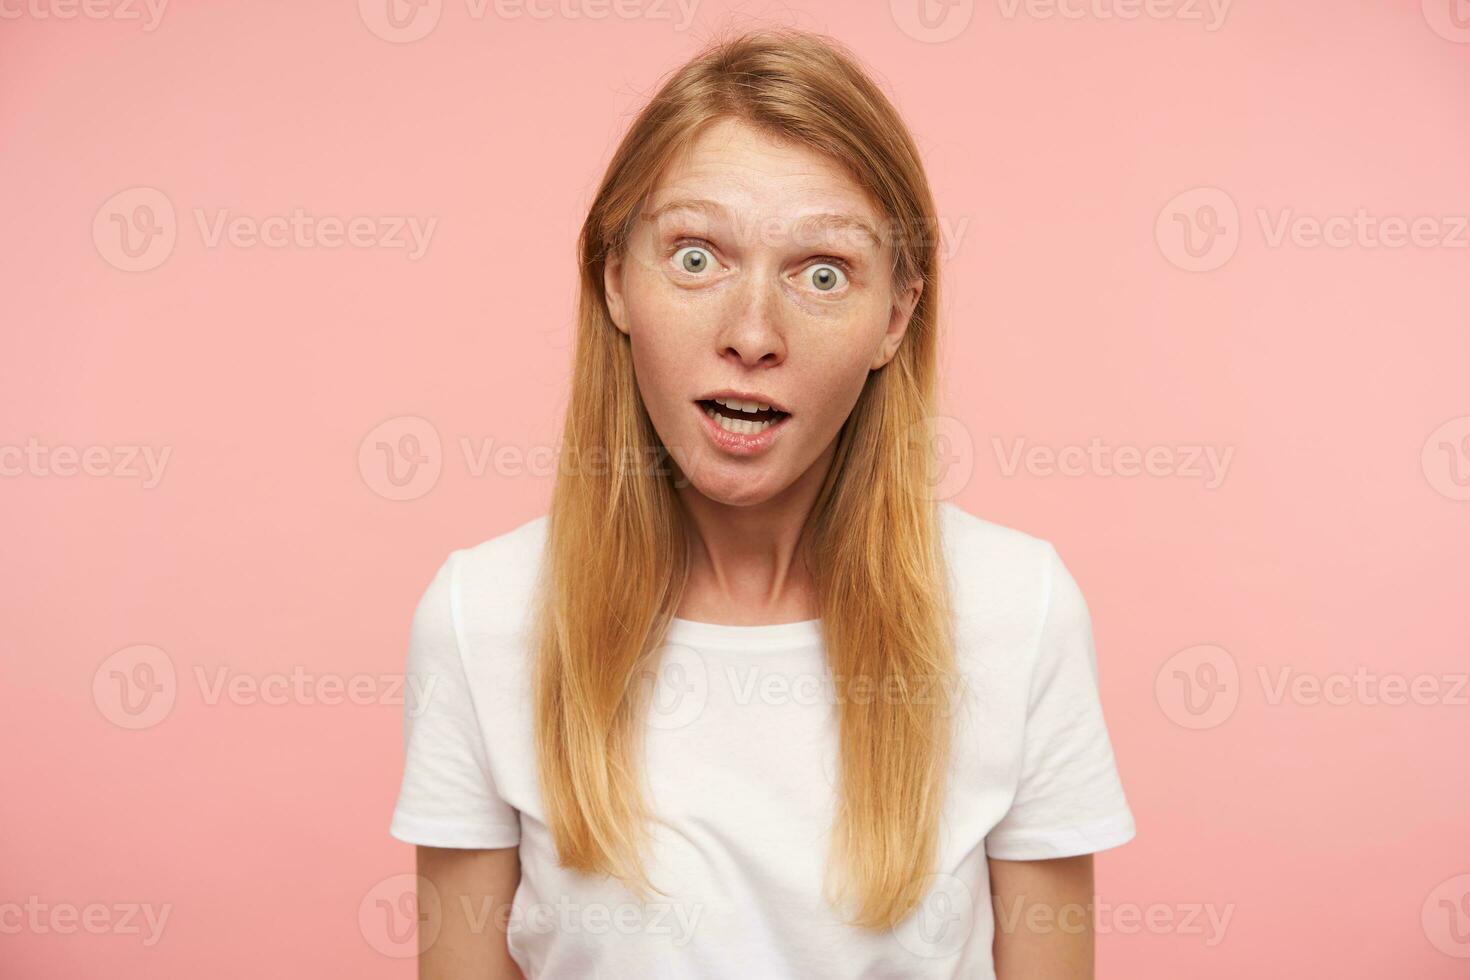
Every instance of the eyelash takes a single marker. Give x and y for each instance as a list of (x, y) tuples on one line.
[(841, 263)]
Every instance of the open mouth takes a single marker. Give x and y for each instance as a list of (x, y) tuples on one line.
[(746, 418)]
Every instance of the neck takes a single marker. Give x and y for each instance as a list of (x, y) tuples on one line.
[(747, 564)]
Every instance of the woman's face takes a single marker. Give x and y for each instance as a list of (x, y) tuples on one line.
[(752, 276)]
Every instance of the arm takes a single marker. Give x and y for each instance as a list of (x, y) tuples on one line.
[(1043, 918), (475, 890)]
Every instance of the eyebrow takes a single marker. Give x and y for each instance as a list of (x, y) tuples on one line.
[(822, 220)]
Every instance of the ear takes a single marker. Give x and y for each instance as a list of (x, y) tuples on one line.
[(612, 288), (898, 323)]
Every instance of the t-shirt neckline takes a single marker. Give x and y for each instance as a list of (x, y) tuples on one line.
[(774, 636)]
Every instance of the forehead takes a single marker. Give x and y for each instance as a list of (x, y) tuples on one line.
[(733, 167)]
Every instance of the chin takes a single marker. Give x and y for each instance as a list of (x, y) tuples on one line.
[(733, 489)]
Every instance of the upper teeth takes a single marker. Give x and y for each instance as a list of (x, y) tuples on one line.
[(741, 406)]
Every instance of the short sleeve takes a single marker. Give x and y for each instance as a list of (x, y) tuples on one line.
[(447, 797), (1069, 799)]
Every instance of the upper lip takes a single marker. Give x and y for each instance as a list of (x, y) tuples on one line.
[(745, 396)]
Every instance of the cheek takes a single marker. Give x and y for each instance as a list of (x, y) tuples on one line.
[(666, 337), (832, 389), (839, 356)]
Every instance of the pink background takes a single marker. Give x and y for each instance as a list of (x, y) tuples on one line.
[(1333, 835)]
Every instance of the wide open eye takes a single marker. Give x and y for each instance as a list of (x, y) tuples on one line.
[(825, 276), (694, 259)]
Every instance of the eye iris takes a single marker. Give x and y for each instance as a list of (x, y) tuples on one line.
[(694, 260), (824, 278)]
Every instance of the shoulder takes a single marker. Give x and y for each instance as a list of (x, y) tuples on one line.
[(490, 583), (1002, 578), (976, 548), (508, 555)]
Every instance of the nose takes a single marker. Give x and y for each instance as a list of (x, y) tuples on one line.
[(751, 330)]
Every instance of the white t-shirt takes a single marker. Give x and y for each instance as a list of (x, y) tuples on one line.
[(741, 741)]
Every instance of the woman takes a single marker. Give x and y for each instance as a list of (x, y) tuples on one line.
[(748, 702)]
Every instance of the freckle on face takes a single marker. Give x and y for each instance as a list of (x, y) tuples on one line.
[(748, 320)]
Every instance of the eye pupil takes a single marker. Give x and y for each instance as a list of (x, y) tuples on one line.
[(694, 260), (824, 278)]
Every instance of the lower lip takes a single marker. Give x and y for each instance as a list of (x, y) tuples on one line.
[(738, 443)]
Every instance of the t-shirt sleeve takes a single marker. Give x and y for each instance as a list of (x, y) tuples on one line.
[(448, 797), (1069, 799)]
